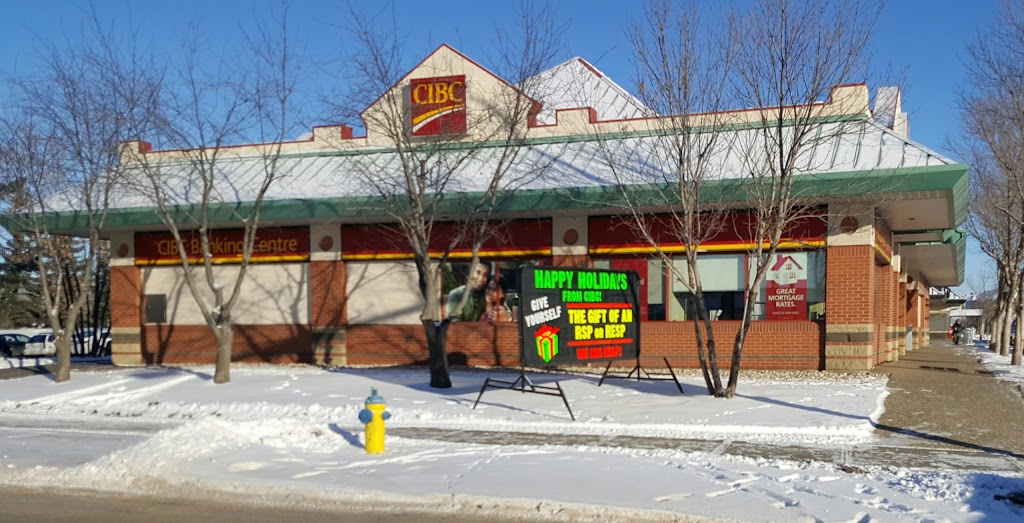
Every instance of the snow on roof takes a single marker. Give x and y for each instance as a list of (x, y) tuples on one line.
[(577, 83), (548, 164)]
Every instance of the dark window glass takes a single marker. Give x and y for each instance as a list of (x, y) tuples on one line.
[(156, 308)]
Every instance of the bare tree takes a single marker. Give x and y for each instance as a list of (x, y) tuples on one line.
[(992, 113), (790, 55), (683, 70), (62, 145), (427, 181), (242, 101), (780, 57)]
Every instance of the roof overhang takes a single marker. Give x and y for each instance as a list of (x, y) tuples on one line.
[(940, 260), (922, 205)]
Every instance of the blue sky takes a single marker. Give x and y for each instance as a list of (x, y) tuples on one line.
[(921, 41)]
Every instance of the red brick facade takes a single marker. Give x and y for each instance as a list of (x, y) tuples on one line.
[(867, 310), (327, 285), (851, 308), (125, 296), (794, 345), (252, 344)]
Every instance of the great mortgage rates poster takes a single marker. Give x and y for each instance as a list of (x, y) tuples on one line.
[(572, 316)]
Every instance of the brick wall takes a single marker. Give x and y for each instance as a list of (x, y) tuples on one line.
[(328, 315), (327, 293), (878, 293), (125, 314), (913, 318), (769, 345), (125, 296), (901, 309), (252, 344), (570, 260), (850, 308)]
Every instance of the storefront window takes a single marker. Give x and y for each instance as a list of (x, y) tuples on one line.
[(655, 283), (815, 274), (723, 278), (493, 289)]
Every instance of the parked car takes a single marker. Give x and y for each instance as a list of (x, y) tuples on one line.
[(82, 341), (40, 345), (12, 343)]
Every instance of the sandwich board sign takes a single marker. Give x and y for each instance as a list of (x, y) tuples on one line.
[(572, 316)]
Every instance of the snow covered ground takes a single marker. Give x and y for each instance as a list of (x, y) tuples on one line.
[(293, 430)]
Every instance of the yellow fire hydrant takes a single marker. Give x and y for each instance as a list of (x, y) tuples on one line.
[(374, 416)]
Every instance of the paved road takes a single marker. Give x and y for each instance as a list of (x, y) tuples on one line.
[(100, 507)]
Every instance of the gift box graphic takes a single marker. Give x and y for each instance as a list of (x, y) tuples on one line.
[(547, 342)]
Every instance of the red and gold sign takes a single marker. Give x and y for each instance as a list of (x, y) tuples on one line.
[(277, 244), (786, 286), (438, 105)]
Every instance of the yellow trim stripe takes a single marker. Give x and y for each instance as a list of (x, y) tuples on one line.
[(885, 255), (454, 255), (195, 260), (719, 247)]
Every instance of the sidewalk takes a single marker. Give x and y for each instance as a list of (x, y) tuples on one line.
[(944, 411)]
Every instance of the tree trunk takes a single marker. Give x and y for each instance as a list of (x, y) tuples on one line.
[(1004, 336), (737, 352), (1015, 359), (741, 337), (437, 344), (708, 362), (63, 372), (225, 339), (997, 328)]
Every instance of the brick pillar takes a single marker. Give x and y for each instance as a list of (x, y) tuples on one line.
[(914, 313), (327, 296), (901, 308), (850, 307), (570, 241), (926, 314), (581, 261), (878, 292), (892, 317), (125, 314)]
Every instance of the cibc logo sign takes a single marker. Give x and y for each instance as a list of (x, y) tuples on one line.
[(438, 105)]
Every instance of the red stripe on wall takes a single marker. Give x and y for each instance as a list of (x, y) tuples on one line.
[(389, 241)]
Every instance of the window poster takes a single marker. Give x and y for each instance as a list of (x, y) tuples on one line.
[(572, 316), (786, 289)]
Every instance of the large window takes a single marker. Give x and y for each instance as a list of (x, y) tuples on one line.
[(725, 278), (493, 290), (815, 267)]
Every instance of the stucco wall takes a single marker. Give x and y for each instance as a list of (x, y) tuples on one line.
[(383, 293), (272, 294)]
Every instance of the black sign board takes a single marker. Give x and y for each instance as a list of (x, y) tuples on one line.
[(572, 316)]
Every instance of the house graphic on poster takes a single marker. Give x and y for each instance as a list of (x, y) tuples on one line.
[(787, 271)]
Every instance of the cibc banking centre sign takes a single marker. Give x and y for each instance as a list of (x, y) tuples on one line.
[(572, 316), (437, 105)]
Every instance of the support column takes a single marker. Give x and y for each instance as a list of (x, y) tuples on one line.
[(926, 314), (850, 308), (850, 289), (327, 296), (914, 313), (881, 332), (126, 292), (570, 242), (901, 313), (892, 313)]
